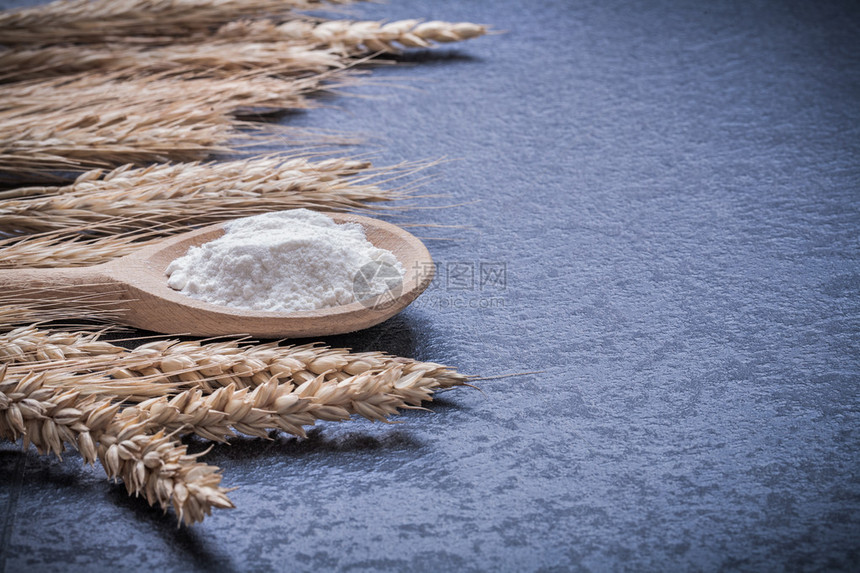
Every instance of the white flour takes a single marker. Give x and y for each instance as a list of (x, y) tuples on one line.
[(287, 261)]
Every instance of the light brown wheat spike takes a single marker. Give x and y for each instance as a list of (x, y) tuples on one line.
[(86, 123), (235, 95), (294, 48), (354, 38), (73, 247), (96, 21), (83, 139), (153, 465), (211, 365), (285, 405), (275, 406), (161, 469), (126, 199), (204, 59), (264, 170), (27, 345), (53, 407), (222, 362), (27, 306)]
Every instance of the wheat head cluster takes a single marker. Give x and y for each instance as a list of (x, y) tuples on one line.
[(126, 121)]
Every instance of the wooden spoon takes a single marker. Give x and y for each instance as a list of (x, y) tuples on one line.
[(136, 287)]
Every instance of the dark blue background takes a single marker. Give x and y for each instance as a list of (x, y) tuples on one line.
[(673, 187)]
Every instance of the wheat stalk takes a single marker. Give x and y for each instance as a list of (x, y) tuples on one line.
[(260, 170), (208, 59), (276, 405), (295, 47), (82, 139), (28, 344), (128, 199), (53, 408), (163, 471), (208, 365), (286, 404), (354, 38), (162, 367), (154, 465), (82, 123), (32, 305), (233, 95), (76, 247), (145, 20)]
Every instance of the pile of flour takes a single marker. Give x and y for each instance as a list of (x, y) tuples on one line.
[(287, 261)]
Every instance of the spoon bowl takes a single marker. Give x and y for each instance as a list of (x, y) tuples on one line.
[(135, 287)]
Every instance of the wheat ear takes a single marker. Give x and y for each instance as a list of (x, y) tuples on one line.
[(27, 306), (128, 199), (162, 470), (255, 171), (354, 38), (155, 466), (297, 47), (73, 247), (209, 365), (275, 406), (206, 59), (104, 93), (84, 123), (134, 20), (27, 345)]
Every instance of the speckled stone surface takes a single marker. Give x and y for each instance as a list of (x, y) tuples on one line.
[(674, 190)]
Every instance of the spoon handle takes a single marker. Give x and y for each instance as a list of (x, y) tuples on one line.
[(76, 289)]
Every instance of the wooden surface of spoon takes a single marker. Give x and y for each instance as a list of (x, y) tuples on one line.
[(136, 287)]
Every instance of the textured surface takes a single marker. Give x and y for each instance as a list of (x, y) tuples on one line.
[(675, 190)]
